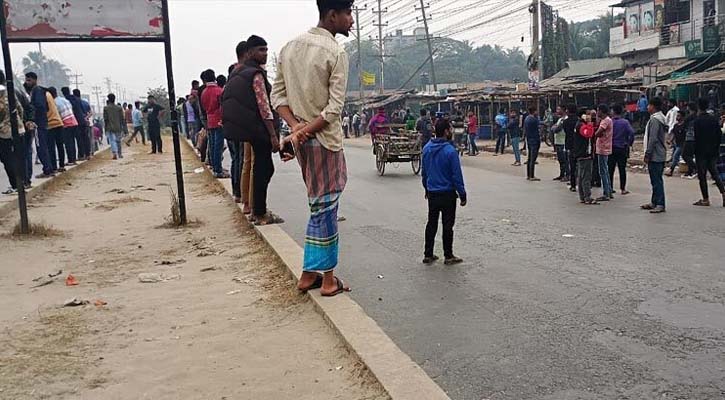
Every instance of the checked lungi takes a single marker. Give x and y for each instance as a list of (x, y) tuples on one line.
[(325, 175)]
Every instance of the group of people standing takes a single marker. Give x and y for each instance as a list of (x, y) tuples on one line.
[(59, 124), (243, 111)]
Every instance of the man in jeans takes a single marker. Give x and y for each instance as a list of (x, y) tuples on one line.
[(604, 150), (233, 132), (622, 141), (443, 184), (114, 120), (582, 152), (211, 101), (532, 125), (707, 148), (514, 131), (655, 155), (40, 106), (137, 121), (560, 145)]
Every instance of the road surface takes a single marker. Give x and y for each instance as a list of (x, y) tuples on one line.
[(628, 305)]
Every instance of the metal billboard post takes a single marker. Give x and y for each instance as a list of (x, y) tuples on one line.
[(174, 114), (18, 141)]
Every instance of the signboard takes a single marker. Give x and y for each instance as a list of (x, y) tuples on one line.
[(47, 20), (693, 49), (633, 21), (710, 39), (648, 18), (368, 78)]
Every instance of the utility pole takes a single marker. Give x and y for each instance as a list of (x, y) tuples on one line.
[(75, 77), (380, 25), (107, 81), (359, 50), (430, 47), (97, 92), (540, 39)]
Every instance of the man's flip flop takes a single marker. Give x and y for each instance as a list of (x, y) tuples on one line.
[(315, 285), (340, 288)]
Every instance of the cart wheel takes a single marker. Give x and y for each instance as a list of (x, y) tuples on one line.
[(416, 165), (380, 160)]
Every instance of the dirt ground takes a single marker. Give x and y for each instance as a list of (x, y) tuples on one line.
[(224, 322)]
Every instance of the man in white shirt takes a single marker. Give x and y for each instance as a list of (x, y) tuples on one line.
[(309, 94)]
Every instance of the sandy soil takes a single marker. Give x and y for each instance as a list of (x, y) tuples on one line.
[(224, 324)]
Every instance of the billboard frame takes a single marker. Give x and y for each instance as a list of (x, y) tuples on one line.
[(165, 38)]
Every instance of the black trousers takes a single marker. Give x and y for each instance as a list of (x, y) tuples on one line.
[(155, 138), (596, 179), (531, 162), (56, 148), (688, 154), (704, 165), (440, 203), (263, 171), (7, 158), (572, 169), (69, 138), (618, 160)]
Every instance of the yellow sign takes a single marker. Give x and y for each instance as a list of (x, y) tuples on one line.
[(368, 78)]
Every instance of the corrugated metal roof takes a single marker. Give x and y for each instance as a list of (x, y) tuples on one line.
[(589, 67)]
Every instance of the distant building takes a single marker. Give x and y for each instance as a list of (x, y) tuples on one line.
[(659, 30), (398, 41)]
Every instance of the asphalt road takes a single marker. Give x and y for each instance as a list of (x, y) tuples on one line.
[(630, 307)]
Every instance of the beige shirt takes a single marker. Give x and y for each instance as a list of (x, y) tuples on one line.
[(312, 80)]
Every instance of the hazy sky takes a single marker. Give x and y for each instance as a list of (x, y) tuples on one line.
[(205, 32)]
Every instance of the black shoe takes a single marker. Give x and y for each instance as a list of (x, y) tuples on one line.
[(453, 261), (430, 260)]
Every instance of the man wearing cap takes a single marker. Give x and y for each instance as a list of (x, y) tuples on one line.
[(309, 93)]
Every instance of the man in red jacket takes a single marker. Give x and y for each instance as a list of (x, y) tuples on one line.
[(211, 101)]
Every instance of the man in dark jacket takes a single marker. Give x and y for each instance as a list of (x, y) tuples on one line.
[(82, 124), (40, 107), (582, 150), (655, 155), (233, 132), (254, 122), (570, 130), (707, 147), (443, 184), (532, 130)]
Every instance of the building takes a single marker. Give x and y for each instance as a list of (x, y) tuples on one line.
[(398, 41), (653, 31)]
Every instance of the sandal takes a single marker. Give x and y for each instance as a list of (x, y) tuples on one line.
[(647, 207), (591, 202), (340, 288), (625, 192), (702, 203), (315, 285), (271, 219)]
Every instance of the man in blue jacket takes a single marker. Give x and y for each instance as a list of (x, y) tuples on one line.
[(443, 184)]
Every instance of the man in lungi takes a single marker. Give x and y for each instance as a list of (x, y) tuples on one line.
[(309, 94)]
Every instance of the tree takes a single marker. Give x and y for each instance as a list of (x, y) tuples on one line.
[(590, 39), (50, 72)]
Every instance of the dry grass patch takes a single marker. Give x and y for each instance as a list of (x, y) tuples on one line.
[(37, 231)]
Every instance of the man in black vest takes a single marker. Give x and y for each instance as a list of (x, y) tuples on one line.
[(232, 132), (249, 118)]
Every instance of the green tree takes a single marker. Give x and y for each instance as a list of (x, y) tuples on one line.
[(590, 39), (50, 72)]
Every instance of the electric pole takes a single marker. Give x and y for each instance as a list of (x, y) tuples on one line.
[(430, 47), (97, 92), (540, 39), (359, 50), (75, 77), (380, 25), (107, 81)]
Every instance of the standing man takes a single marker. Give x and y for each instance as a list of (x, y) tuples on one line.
[(87, 132), (7, 151), (211, 102), (137, 122), (472, 131), (232, 100), (356, 124), (191, 116), (560, 145), (676, 137), (622, 141), (40, 107), (346, 125), (671, 119), (70, 125), (113, 118), (604, 135), (153, 112), (643, 110), (688, 149), (583, 153), (443, 184), (56, 142), (514, 132), (75, 102), (424, 127), (707, 148), (570, 134), (533, 140), (502, 122), (311, 84), (655, 155)]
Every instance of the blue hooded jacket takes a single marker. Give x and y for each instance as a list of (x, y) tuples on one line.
[(442, 168)]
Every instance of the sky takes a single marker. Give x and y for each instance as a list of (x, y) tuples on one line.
[(205, 33)]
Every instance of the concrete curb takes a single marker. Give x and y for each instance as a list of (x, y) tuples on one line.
[(401, 378), (43, 186)]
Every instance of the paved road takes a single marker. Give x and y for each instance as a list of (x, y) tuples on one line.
[(631, 307)]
